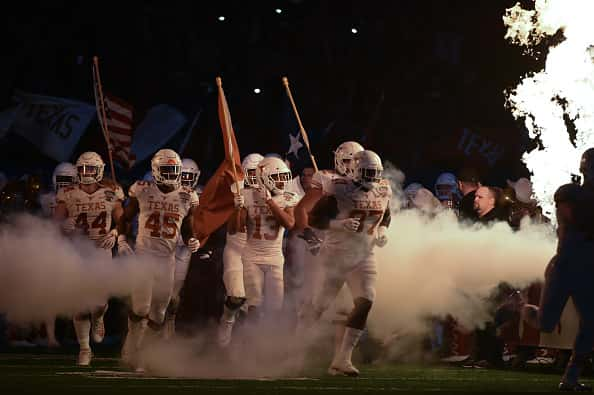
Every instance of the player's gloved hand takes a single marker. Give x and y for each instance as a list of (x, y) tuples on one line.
[(381, 239), (348, 224), (193, 244), (265, 193), (313, 242), (124, 248), (108, 241), (238, 201), (69, 225)]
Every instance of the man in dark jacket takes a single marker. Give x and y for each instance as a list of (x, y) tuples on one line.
[(468, 183), (486, 207)]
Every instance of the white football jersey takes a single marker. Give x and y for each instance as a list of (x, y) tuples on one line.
[(354, 202), (160, 216), (264, 232), (48, 204), (92, 211), (322, 179)]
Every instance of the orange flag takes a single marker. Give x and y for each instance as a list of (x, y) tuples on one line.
[(216, 200)]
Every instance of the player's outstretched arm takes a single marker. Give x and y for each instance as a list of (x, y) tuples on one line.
[(304, 207)]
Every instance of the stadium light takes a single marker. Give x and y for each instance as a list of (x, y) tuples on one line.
[(257, 91), (278, 11), (354, 31), (221, 18)]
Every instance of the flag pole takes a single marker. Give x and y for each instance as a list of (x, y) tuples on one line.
[(228, 127), (100, 104), (301, 129)]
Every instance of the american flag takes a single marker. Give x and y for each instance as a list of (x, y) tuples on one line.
[(119, 115), (118, 127)]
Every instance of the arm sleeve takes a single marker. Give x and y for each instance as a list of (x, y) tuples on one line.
[(387, 217)]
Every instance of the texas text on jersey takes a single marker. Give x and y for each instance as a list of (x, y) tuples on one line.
[(92, 211), (161, 215)]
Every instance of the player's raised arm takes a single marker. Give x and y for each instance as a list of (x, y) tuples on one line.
[(286, 216)]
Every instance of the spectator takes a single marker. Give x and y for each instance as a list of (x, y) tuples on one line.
[(485, 205), (468, 183)]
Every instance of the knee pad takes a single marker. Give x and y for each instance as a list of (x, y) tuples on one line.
[(358, 316), (135, 317), (234, 302)]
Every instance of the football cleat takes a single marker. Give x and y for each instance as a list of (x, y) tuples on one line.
[(344, 368), (84, 357), (563, 386), (98, 330)]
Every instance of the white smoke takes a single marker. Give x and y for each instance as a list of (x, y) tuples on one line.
[(436, 267), (564, 88), (43, 274)]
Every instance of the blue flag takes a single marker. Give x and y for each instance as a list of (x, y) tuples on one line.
[(54, 125), (295, 150)]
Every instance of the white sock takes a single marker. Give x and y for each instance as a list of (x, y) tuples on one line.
[(228, 314), (349, 342), (82, 329), (339, 330), (136, 333)]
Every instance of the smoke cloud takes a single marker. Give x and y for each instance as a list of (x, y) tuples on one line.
[(43, 274)]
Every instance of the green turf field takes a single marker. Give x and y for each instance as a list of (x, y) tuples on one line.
[(56, 373)]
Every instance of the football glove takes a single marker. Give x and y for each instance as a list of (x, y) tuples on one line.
[(313, 242), (124, 248), (193, 244), (348, 224), (381, 238), (109, 240)]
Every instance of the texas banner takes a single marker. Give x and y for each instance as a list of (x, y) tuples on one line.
[(54, 125)]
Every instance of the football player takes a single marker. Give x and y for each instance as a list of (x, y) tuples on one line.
[(164, 209), (355, 216), (190, 174), (344, 168), (269, 210), (64, 175), (446, 190), (90, 207), (234, 245)]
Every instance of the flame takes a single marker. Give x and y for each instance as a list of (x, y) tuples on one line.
[(562, 91)]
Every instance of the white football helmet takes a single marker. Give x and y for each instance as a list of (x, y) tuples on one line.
[(90, 168), (368, 169), (190, 173), (344, 158), (271, 172), (166, 167), (64, 174), (249, 165)]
